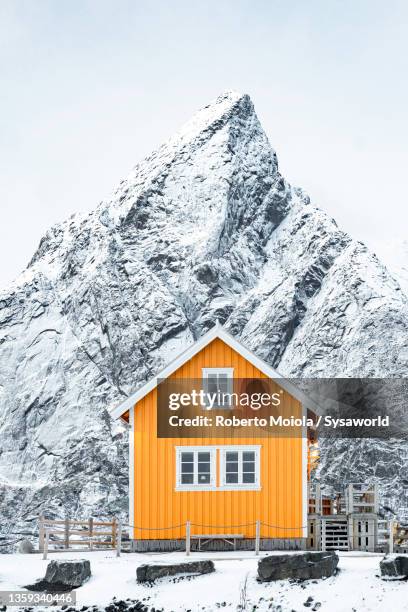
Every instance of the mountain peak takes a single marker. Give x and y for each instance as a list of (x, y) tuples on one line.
[(228, 97), (215, 114)]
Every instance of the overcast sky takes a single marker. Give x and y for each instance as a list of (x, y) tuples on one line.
[(89, 87)]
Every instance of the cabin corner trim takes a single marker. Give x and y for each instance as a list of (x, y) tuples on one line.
[(131, 472)]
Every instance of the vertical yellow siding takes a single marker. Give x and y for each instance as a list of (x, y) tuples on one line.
[(158, 504)]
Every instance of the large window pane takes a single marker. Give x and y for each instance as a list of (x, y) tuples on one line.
[(248, 478)]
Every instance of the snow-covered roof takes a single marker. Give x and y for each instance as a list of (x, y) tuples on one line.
[(215, 332)]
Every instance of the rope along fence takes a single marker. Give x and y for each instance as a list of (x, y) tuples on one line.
[(231, 538), (113, 533)]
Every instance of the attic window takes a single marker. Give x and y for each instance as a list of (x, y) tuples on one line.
[(219, 383)]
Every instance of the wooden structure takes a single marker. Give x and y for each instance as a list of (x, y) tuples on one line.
[(274, 493), (346, 521), (228, 538), (67, 534)]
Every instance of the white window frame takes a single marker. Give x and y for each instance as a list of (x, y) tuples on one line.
[(240, 486), (211, 486), (222, 485), (229, 372)]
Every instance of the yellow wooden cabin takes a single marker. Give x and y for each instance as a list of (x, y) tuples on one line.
[(221, 486)]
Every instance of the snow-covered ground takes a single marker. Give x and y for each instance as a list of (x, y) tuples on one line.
[(356, 587)]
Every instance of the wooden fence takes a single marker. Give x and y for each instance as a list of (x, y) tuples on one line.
[(88, 534)]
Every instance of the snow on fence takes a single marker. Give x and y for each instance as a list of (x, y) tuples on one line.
[(67, 533)]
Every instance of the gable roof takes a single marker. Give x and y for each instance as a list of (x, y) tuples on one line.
[(215, 332)]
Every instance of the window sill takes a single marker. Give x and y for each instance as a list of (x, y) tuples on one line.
[(237, 487), (222, 488), (196, 488)]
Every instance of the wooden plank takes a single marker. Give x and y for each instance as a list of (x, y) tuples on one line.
[(66, 533), (76, 522), (90, 529), (45, 553), (257, 537), (114, 527), (77, 542), (84, 532), (391, 537), (41, 537), (70, 522), (119, 540)]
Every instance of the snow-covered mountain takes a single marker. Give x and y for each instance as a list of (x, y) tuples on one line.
[(394, 254), (205, 228)]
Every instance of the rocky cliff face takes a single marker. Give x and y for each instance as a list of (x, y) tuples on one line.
[(205, 228)]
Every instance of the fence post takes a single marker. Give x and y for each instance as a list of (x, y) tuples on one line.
[(114, 523), (323, 535), (90, 529), (41, 533), (119, 539), (318, 500), (350, 508), (188, 537), (376, 498), (391, 537), (47, 537), (66, 532), (350, 529), (257, 536)]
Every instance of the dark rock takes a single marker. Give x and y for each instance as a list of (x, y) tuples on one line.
[(46, 587), (151, 572), (63, 576), (71, 573), (303, 566), (394, 568)]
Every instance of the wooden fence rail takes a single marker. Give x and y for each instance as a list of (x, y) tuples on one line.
[(89, 534)]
